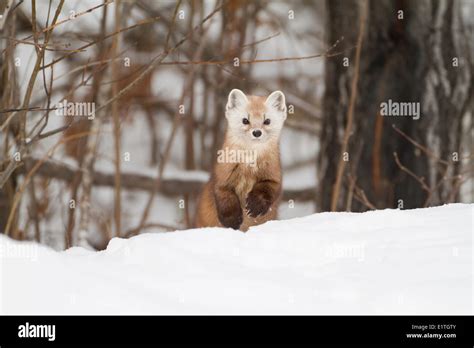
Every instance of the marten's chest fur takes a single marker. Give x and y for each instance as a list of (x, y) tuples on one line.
[(240, 195), (243, 176)]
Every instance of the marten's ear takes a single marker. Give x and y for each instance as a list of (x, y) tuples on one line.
[(276, 101), (236, 100)]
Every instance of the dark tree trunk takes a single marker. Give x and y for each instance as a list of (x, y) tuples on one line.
[(405, 60)]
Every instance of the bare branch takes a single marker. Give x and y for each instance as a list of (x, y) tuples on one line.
[(421, 180), (418, 145)]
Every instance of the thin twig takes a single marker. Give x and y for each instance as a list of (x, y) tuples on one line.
[(22, 114), (30, 174), (84, 47), (421, 180), (418, 145), (156, 61)]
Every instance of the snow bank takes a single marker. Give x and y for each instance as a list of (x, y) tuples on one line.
[(381, 262)]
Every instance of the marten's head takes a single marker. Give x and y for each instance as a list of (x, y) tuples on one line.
[(255, 119)]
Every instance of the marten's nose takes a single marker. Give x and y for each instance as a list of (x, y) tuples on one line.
[(257, 133)]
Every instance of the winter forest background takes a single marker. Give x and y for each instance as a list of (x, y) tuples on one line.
[(157, 75)]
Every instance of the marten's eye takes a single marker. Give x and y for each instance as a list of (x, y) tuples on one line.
[(245, 121), (266, 122)]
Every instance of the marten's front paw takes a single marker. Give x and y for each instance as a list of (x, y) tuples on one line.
[(232, 218), (257, 204)]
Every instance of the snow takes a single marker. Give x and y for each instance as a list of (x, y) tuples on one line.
[(379, 262)]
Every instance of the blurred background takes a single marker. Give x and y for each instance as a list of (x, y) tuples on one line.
[(112, 112)]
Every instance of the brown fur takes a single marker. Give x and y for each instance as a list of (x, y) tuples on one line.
[(239, 195)]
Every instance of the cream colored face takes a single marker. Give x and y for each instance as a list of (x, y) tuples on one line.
[(255, 119)]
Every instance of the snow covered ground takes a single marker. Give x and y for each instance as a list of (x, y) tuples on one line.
[(380, 262)]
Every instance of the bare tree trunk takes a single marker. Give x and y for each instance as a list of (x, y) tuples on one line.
[(88, 159), (406, 57), (86, 183), (116, 117)]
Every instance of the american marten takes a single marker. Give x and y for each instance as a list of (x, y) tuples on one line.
[(245, 185)]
